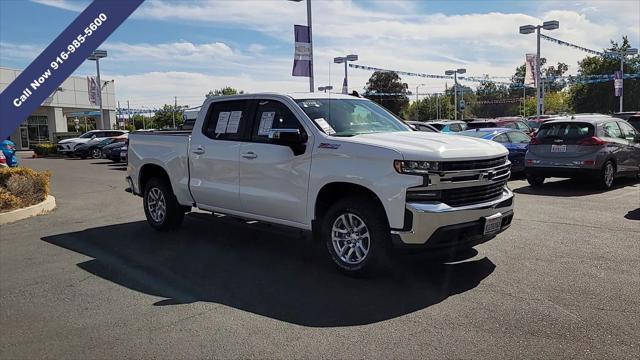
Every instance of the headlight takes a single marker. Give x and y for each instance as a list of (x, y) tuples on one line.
[(415, 167)]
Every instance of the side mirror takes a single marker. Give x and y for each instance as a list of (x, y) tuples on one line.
[(292, 138), (287, 137), (93, 136)]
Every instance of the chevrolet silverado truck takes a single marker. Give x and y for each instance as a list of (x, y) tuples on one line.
[(340, 166)]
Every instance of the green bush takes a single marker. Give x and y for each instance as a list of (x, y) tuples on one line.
[(21, 187), (44, 149)]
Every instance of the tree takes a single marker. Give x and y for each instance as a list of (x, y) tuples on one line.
[(164, 117), (491, 94), (393, 92), (143, 122), (427, 108), (599, 97), (227, 90)]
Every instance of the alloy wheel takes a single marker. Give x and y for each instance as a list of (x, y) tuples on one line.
[(351, 239), (156, 205), (608, 174), (96, 153)]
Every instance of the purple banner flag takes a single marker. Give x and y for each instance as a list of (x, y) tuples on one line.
[(302, 56), (60, 59), (617, 83)]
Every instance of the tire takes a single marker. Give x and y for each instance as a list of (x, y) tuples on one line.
[(161, 207), (96, 153), (364, 245), (607, 174), (535, 180)]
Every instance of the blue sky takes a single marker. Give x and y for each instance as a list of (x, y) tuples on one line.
[(185, 48)]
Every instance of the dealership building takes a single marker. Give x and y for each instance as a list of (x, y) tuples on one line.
[(74, 100)]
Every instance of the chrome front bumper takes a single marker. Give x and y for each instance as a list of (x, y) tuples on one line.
[(428, 217)]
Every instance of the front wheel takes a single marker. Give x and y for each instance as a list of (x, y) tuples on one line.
[(356, 234), (161, 207), (96, 153), (535, 180)]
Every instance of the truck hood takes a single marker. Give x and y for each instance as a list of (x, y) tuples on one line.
[(416, 145)]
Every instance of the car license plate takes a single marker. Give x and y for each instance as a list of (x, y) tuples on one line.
[(492, 224), (558, 148)]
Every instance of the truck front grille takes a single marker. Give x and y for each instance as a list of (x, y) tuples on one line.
[(473, 164), (472, 195)]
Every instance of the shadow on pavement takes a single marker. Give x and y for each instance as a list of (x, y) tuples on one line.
[(633, 214), (264, 270), (572, 187)]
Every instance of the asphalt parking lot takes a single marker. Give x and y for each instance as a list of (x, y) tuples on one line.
[(93, 280)]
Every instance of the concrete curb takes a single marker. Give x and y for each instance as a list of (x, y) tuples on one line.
[(38, 209)]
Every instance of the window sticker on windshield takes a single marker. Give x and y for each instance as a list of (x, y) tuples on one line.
[(223, 119), (234, 122), (324, 125), (266, 122)]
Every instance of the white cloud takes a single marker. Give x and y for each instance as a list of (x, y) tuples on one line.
[(388, 34), (63, 4)]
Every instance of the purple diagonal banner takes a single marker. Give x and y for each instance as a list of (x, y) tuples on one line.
[(60, 59)]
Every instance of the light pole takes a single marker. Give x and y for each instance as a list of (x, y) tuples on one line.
[(621, 54), (97, 55), (529, 29), (325, 88), (345, 60), (455, 88), (311, 87), (418, 105)]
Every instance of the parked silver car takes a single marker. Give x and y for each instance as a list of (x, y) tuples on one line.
[(598, 147)]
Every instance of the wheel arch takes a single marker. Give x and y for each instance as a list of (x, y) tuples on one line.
[(148, 171), (331, 192)]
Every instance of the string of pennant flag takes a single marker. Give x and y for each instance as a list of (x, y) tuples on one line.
[(585, 79), (578, 47)]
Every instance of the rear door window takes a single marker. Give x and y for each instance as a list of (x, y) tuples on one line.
[(564, 132), (227, 120), (612, 130), (519, 138), (502, 139)]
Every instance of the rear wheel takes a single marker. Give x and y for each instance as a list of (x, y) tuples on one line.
[(356, 234), (605, 180), (535, 180), (161, 207)]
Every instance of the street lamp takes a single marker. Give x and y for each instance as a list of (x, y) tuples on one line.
[(529, 29), (345, 60), (621, 54), (417, 105), (455, 88), (325, 88), (310, 44), (96, 56)]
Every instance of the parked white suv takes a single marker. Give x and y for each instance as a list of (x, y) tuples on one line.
[(67, 146), (340, 166)]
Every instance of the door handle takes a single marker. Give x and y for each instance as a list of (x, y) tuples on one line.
[(198, 150), (249, 155)]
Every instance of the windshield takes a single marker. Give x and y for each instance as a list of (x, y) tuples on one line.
[(347, 117), (86, 135)]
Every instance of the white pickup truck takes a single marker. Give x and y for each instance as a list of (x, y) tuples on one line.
[(340, 166)]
